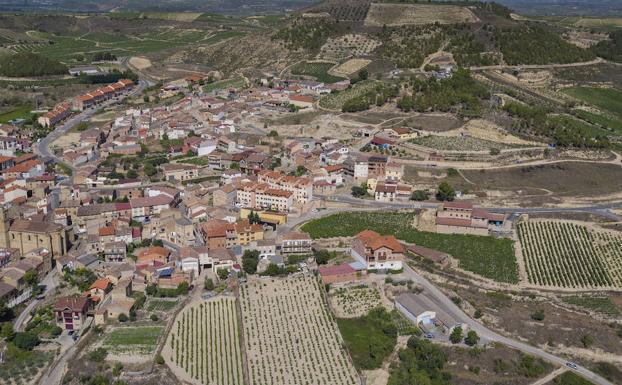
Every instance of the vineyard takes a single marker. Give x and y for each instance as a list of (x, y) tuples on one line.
[(289, 334), (570, 254), (347, 10), (205, 343)]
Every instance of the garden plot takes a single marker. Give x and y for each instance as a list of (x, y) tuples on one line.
[(354, 301), (571, 254), (349, 45), (132, 341), (162, 305), (204, 344), (350, 67), (395, 15), (289, 335)]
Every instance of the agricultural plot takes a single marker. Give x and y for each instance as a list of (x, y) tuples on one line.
[(348, 45), (161, 305), (205, 343), (570, 254), (335, 101), (606, 99), (237, 82), (133, 340), (351, 66), (66, 47), (289, 335), (489, 257), (22, 366), (602, 305), (465, 143), (354, 301), (395, 15), (318, 70)]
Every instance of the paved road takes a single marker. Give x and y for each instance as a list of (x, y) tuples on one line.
[(50, 281), (447, 305), (600, 210)]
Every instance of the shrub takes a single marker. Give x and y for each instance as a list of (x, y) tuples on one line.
[(472, 338), (538, 315), (123, 317), (456, 335), (26, 340)]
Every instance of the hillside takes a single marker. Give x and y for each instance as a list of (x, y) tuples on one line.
[(25, 64)]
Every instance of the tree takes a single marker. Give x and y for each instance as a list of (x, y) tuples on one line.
[(273, 134), (538, 315), (223, 274), (472, 338), (182, 288), (321, 257), (359, 191), (363, 74), (131, 174), (31, 278), (445, 192), (123, 317), (253, 218), (26, 340), (587, 341), (154, 317), (6, 313), (209, 284), (456, 335), (420, 195), (250, 259), (159, 359)]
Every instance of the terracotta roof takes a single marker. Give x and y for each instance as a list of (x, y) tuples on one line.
[(75, 304), (336, 270), (101, 284), (374, 241)]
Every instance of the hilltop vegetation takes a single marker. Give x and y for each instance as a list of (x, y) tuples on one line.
[(26, 64), (537, 45)]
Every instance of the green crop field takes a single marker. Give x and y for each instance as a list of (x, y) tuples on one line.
[(318, 70), (608, 122), (19, 112), (65, 48), (603, 305), (487, 256), (141, 340), (607, 99), (160, 305)]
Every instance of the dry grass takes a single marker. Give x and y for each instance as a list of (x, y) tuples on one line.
[(350, 67), (394, 15)]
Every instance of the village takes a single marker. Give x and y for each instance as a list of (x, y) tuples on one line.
[(172, 204)]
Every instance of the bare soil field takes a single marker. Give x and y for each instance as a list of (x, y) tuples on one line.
[(562, 329), (140, 63), (462, 364), (488, 131), (394, 15), (577, 179)]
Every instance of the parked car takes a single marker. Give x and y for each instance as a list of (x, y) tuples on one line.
[(572, 365)]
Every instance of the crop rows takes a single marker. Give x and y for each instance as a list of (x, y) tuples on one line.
[(205, 343), (354, 301), (565, 254), (289, 335)]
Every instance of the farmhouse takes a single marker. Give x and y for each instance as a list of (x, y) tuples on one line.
[(71, 312), (378, 252), (462, 218)]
